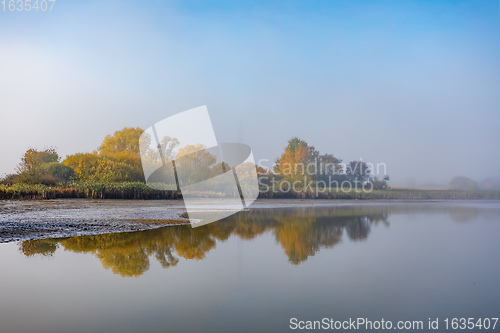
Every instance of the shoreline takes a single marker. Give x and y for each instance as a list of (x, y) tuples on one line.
[(140, 191), (60, 218), (38, 219)]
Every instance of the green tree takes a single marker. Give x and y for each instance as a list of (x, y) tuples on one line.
[(380, 184), (33, 159), (58, 170), (358, 171), (42, 166), (327, 168)]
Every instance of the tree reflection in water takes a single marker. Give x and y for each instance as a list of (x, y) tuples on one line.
[(301, 232)]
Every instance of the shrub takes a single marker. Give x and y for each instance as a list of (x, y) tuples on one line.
[(58, 170), (462, 183), (9, 179)]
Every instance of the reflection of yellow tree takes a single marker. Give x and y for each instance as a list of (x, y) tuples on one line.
[(298, 235), (194, 243), (126, 254), (45, 247), (221, 230), (123, 262), (248, 229), (295, 240)]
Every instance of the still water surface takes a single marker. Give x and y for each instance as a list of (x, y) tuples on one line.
[(254, 271)]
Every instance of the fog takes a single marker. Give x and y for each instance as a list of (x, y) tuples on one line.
[(413, 85)]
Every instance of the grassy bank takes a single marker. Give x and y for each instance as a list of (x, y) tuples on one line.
[(124, 190), (137, 190), (406, 194)]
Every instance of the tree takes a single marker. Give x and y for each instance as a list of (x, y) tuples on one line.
[(462, 183), (58, 170), (294, 161), (102, 169), (123, 141), (490, 184), (84, 165), (328, 168), (358, 171), (380, 184), (194, 164), (42, 167), (33, 159), (123, 150), (118, 159)]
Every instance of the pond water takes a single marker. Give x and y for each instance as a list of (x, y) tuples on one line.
[(254, 271)]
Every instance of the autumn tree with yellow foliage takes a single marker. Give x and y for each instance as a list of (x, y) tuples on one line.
[(293, 163), (117, 159)]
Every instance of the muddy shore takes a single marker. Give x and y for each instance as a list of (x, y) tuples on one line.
[(24, 220)]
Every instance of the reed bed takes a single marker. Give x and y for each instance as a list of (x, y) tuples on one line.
[(390, 194), (124, 190)]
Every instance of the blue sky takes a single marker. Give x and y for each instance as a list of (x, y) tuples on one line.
[(413, 84)]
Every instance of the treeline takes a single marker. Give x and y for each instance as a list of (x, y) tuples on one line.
[(137, 190), (114, 171), (389, 194), (302, 167), (116, 160)]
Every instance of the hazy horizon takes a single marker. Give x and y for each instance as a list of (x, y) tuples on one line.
[(410, 84)]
